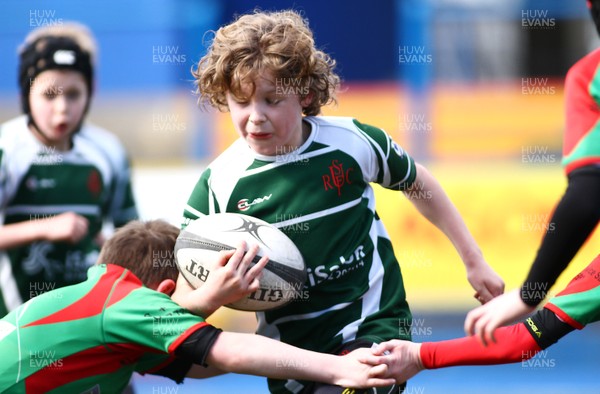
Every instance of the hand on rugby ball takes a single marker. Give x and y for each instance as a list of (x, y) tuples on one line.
[(229, 281)]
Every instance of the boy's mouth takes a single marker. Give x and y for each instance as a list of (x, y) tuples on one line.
[(259, 136)]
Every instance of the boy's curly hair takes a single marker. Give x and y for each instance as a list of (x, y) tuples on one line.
[(280, 43)]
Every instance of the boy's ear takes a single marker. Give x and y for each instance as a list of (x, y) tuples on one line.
[(166, 286), (307, 100)]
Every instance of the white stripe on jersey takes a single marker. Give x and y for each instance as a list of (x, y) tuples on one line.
[(8, 284), (283, 160), (53, 209), (372, 298), (271, 331), (193, 211), (319, 214)]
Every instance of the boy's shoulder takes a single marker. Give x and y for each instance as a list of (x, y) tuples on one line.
[(14, 131), (100, 136), (104, 142)]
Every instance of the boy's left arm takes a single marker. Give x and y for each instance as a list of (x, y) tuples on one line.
[(440, 211), (257, 355)]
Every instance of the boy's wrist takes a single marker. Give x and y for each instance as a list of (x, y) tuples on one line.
[(472, 258)]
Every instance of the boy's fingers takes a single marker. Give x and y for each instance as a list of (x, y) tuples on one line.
[(372, 360), (255, 271), (254, 286), (238, 255), (380, 348), (376, 382), (378, 371), (247, 259), (224, 257)]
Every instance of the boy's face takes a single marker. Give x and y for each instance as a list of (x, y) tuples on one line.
[(270, 120), (57, 100)]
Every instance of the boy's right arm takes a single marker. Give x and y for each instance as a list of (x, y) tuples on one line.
[(233, 279), (258, 355)]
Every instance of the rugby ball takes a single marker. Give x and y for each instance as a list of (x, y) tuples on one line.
[(201, 241)]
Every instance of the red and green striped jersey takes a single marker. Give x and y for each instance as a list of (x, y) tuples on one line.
[(579, 303), (320, 196), (38, 182), (581, 145), (90, 337)]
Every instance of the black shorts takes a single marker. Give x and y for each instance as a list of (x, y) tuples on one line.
[(324, 388)]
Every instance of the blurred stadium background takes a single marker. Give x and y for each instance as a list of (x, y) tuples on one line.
[(472, 89)]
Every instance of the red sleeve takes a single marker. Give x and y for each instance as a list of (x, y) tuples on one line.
[(513, 344)]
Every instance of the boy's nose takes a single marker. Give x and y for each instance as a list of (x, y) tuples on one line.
[(257, 117), (60, 103)]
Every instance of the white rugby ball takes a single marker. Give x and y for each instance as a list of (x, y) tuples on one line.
[(200, 242)]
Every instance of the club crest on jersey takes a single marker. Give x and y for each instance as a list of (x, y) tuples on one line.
[(244, 204), (337, 177), (94, 183)]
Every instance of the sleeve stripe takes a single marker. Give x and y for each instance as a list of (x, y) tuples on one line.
[(193, 211)]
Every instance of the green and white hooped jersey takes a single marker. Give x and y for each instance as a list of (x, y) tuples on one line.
[(320, 196), (37, 182)]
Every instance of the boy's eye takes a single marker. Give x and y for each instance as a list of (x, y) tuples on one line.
[(273, 101), (50, 94), (240, 102), (73, 94)]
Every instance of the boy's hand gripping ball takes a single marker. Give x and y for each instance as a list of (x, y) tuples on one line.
[(283, 277)]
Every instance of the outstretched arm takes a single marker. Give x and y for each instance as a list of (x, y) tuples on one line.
[(258, 355), (572, 222), (513, 344), (440, 211)]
